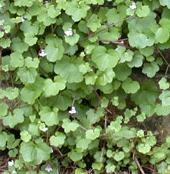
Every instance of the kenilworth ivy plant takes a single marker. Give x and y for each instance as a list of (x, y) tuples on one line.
[(79, 81)]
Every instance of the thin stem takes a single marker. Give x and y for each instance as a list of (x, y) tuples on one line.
[(167, 69), (138, 164), (105, 123), (163, 57), (83, 127)]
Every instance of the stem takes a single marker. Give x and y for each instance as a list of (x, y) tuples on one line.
[(105, 123), (163, 57), (167, 68), (83, 127), (138, 164)]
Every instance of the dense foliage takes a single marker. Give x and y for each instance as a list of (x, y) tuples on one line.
[(79, 80)]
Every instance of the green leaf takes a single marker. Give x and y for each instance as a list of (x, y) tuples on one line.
[(35, 152), (52, 88), (84, 68), (92, 134), (162, 35), (97, 166), (115, 125), (69, 70), (165, 3), (3, 138), (75, 156), (25, 136), (76, 10), (30, 39), (163, 84), (2, 93), (62, 101), (90, 78), (27, 75), (3, 109), (32, 62), (24, 3), (50, 117), (32, 91), (54, 48), (125, 133), (130, 86), (141, 117), (150, 69), (58, 139), (150, 58), (53, 12), (143, 148), (115, 16), (119, 156), (11, 93), (115, 101), (165, 98), (16, 60), (93, 22), (1, 34), (122, 71), (139, 40), (69, 126), (146, 97), (110, 167), (151, 139), (110, 35), (94, 116), (143, 11), (136, 61), (105, 77), (5, 42), (148, 51), (127, 56), (28, 152), (82, 144), (128, 114), (162, 110), (33, 129), (17, 117), (80, 171), (44, 18), (103, 58), (165, 23), (18, 45), (30, 29), (72, 40), (140, 133)]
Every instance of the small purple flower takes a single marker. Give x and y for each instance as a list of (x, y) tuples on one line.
[(42, 53), (68, 32), (48, 168), (10, 163), (72, 110), (133, 6)]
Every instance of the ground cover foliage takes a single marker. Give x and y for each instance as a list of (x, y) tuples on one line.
[(79, 80)]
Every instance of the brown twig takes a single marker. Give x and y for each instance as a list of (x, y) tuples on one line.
[(149, 168), (138, 164), (160, 53)]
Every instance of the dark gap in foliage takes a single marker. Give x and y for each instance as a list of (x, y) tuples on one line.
[(6, 52), (124, 30), (159, 14), (3, 152), (88, 159), (85, 102), (15, 132)]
